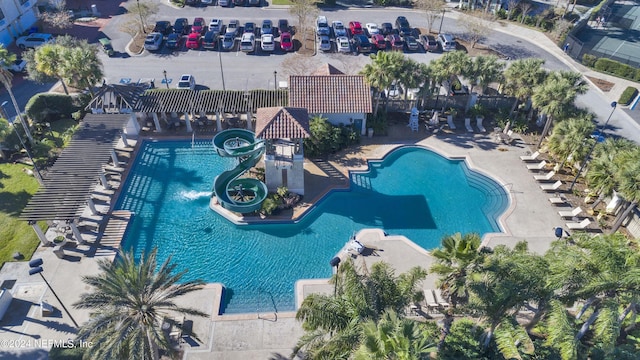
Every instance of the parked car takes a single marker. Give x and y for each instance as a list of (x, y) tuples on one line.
[(18, 66), (338, 29), (34, 40), (105, 44), (343, 45), (395, 42), (356, 28), (216, 25), (225, 3), (210, 40), (206, 2), (324, 43), (322, 26), (267, 43), (394, 91), (249, 27), (266, 28), (411, 43), (283, 26), (198, 25), (286, 44), (248, 42), (447, 42), (193, 41), (372, 29), (402, 24), (238, 2), (233, 27), (174, 41), (192, 2), (254, 2), (429, 43), (228, 41), (379, 42), (163, 27), (181, 26), (361, 44), (386, 28), (186, 82), (153, 41)]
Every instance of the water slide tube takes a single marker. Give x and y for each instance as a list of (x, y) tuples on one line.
[(236, 194)]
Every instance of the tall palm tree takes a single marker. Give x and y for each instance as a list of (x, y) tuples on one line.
[(49, 61), (81, 67), (6, 77), (521, 77), (570, 140), (394, 337), (484, 71), (629, 183), (605, 165), (555, 95), (377, 74), (130, 301)]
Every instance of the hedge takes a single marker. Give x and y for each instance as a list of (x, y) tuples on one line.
[(628, 95), (49, 107), (617, 68)]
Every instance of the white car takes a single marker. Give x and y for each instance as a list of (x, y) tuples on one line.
[(17, 66), (187, 82), (248, 42), (216, 25), (34, 40), (153, 41), (372, 29), (338, 29), (324, 43), (232, 28), (267, 43), (342, 43)]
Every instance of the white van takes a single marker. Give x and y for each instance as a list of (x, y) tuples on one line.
[(447, 42), (187, 82), (248, 42)]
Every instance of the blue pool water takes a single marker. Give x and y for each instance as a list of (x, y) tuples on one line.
[(412, 192)]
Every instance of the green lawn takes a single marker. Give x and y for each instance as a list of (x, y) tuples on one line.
[(16, 188)]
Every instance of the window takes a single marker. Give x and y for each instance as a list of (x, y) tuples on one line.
[(1, 15), (22, 2)]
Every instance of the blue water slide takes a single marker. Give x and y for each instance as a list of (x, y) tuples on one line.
[(242, 195)]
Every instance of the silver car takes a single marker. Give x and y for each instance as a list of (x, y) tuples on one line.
[(153, 41), (343, 45), (324, 43)]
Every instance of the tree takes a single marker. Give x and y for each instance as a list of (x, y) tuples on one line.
[(556, 94), (476, 27), (81, 67), (138, 15), (571, 140), (485, 70), (432, 10), (522, 76), (512, 6), (377, 74), (6, 77), (130, 301), (629, 183), (525, 6), (463, 342), (48, 60), (57, 15), (304, 11), (605, 165)]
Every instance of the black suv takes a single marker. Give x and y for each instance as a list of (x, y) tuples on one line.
[(181, 26), (361, 44), (283, 25), (163, 27), (402, 24)]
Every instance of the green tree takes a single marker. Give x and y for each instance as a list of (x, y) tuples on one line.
[(130, 301), (48, 61), (6, 77), (304, 11), (377, 74), (521, 77), (629, 184), (485, 70), (463, 342), (449, 66), (570, 140), (82, 67), (605, 165)]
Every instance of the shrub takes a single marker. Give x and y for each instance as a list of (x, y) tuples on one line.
[(49, 107), (270, 204), (326, 138), (589, 60), (615, 67), (628, 95), (502, 14)]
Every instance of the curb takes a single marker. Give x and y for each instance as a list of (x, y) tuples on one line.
[(128, 51)]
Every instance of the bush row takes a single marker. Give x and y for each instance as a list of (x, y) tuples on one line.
[(628, 95), (326, 139), (612, 67), (47, 107)]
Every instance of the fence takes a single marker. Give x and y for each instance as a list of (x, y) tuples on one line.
[(445, 102)]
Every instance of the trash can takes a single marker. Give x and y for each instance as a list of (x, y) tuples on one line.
[(94, 10)]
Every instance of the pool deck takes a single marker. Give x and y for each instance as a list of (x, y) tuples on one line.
[(259, 336)]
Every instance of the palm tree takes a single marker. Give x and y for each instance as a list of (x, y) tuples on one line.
[(130, 301), (6, 77), (553, 97), (605, 164), (49, 61), (82, 67), (484, 71), (570, 140), (629, 183), (378, 74), (333, 323), (394, 337), (522, 76)]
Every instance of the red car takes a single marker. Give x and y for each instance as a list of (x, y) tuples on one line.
[(396, 42), (193, 41), (356, 28), (285, 42), (198, 25), (379, 42)]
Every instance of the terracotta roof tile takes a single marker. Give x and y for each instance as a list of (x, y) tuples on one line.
[(282, 123), (327, 69), (330, 94)]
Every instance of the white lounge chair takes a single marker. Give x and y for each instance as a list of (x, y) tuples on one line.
[(450, 122), (545, 177), (531, 157), (479, 124), (440, 299), (570, 214), (538, 166), (430, 300), (579, 225), (467, 124), (557, 200), (551, 187)]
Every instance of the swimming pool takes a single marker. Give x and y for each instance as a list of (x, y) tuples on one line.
[(412, 191)]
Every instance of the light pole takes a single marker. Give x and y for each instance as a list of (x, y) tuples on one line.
[(36, 268), (141, 21), (35, 167), (275, 80), (584, 163), (220, 59), (441, 21), (166, 82)]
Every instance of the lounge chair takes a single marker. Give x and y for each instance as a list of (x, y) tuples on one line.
[(467, 124), (546, 177), (479, 124), (557, 200), (450, 122), (579, 225), (551, 187), (570, 214), (531, 157), (538, 166), (440, 299), (432, 304)]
